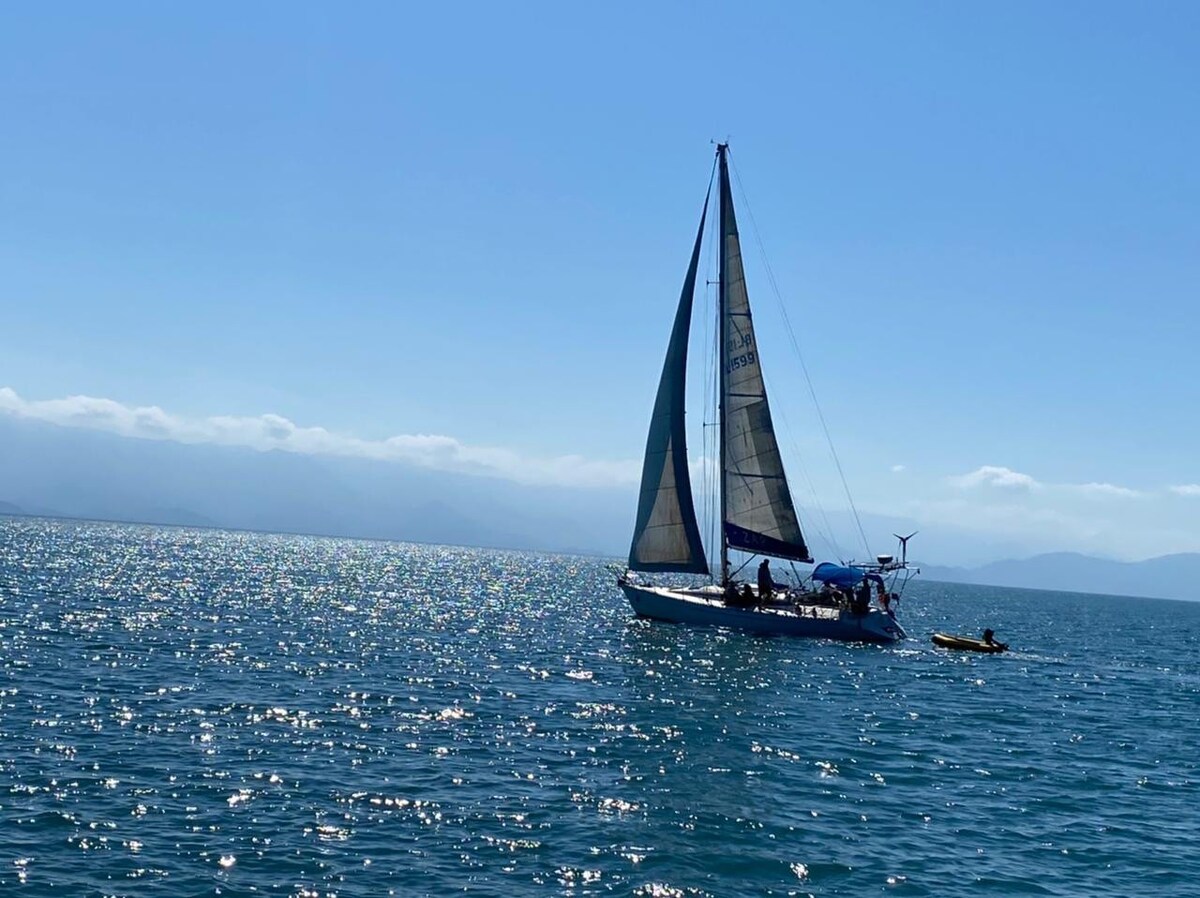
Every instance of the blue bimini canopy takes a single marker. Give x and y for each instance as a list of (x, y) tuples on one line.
[(844, 577)]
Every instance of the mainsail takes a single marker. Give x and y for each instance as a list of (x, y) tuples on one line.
[(666, 536), (758, 512)]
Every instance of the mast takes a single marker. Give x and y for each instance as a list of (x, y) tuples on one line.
[(722, 188)]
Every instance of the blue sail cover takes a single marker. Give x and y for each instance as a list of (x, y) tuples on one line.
[(845, 577), (666, 536)]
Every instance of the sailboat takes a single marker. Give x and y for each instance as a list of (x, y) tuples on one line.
[(757, 514)]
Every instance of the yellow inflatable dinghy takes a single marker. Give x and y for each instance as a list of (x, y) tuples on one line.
[(967, 644)]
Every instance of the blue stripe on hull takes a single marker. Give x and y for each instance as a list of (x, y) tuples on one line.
[(684, 608)]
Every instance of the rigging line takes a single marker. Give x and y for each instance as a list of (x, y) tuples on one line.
[(703, 430), (704, 478), (827, 536), (714, 438), (803, 367), (709, 410), (741, 567), (707, 437), (709, 377)]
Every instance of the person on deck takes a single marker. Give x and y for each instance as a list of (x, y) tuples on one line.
[(862, 598), (766, 587)]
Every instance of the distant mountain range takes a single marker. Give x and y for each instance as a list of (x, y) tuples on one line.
[(1168, 576), (46, 469), (68, 472)]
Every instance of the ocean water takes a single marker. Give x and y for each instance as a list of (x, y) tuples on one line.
[(188, 712)]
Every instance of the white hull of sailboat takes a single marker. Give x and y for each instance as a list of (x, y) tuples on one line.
[(814, 622)]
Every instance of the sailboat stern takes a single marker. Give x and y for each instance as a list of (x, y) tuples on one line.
[(883, 627)]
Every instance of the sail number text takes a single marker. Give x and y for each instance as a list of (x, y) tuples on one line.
[(738, 342), (740, 361), (738, 352)]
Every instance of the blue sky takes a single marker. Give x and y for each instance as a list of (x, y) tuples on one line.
[(471, 222)]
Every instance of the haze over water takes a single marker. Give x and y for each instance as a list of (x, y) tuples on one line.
[(189, 712)]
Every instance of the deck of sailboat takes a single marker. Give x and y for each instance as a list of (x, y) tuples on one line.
[(714, 595)]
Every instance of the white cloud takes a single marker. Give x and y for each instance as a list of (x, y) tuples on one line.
[(898, 469), (1009, 518), (271, 432), (1106, 490), (1014, 481), (994, 475), (1037, 523), (1092, 517)]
